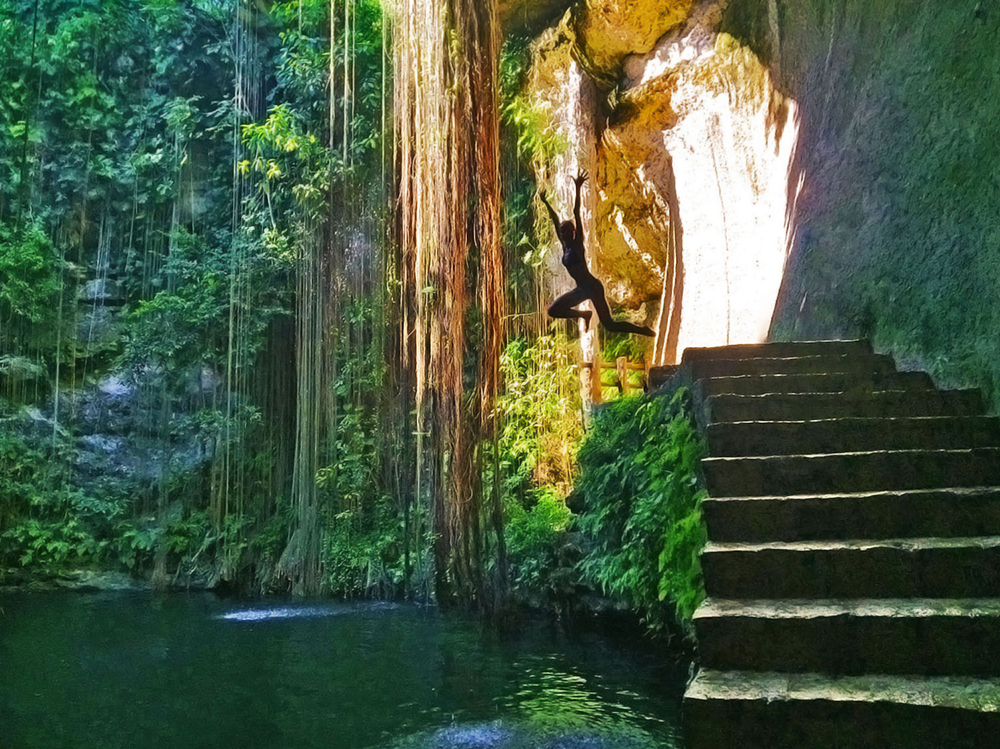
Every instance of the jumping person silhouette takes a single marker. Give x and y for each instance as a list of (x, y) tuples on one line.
[(587, 285)]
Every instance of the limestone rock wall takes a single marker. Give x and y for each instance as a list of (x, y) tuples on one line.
[(689, 151), (791, 169)]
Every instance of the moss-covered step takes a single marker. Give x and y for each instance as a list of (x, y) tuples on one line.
[(893, 568), (851, 472), (854, 525), (780, 350), (912, 513), (822, 382), (819, 364), (811, 406), (853, 434), (820, 711), (929, 637)]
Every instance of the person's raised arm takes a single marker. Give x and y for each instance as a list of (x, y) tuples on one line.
[(580, 180), (556, 221)]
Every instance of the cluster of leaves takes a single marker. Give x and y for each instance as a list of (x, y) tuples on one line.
[(541, 421), (42, 524), (364, 548), (530, 120), (30, 288), (641, 507), (527, 138), (50, 526), (363, 552)]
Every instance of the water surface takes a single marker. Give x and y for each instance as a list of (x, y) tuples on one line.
[(128, 670)]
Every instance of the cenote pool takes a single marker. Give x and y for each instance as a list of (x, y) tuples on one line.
[(138, 670)]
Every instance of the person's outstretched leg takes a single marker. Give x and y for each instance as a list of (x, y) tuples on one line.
[(562, 308), (609, 323)]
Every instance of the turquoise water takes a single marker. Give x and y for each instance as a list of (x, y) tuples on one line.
[(137, 670)]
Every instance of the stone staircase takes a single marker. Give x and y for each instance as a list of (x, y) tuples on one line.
[(853, 568)]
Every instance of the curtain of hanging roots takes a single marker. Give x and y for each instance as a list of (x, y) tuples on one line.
[(448, 227)]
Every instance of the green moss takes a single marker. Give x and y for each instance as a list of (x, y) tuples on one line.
[(897, 229)]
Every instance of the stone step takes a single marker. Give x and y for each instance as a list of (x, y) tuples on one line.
[(789, 350), (737, 710), (927, 637), (817, 406), (826, 382), (893, 568), (919, 513), (851, 472), (660, 376), (844, 364), (764, 438)]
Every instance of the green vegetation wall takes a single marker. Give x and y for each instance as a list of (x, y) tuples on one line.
[(896, 232), (193, 301)]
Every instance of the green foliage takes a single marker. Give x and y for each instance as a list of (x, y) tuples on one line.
[(536, 138), (533, 537), (629, 346), (527, 138), (640, 488), (44, 524), (541, 422), (289, 159), (29, 288), (364, 556), (120, 129), (49, 545), (29, 275), (540, 413), (362, 523), (185, 323)]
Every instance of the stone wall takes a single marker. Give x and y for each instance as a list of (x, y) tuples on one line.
[(790, 169), (896, 229)]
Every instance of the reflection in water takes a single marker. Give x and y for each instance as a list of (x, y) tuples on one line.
[(125, 670)]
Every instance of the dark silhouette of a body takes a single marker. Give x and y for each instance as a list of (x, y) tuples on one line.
[(587, 285)]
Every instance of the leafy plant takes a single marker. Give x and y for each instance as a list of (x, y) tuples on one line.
[(533, 537), (541, 421), (641, 495), (29, 287)]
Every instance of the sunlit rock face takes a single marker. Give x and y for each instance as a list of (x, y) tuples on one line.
[(610, 30), (704, 125), (687, 224), (845, 150), (572, 103)]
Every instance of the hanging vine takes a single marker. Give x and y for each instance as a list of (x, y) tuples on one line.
[(452, 270)]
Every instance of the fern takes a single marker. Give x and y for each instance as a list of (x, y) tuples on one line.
[(641, 491)]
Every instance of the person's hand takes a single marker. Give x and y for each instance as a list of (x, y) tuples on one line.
[(581, 179)]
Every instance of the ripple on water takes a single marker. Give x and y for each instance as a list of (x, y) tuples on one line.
[(301, 612), (263, 615), (501, 736)]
